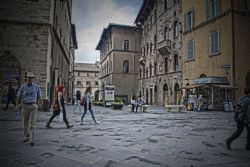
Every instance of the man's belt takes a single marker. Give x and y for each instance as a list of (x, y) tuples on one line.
[(29, 103)]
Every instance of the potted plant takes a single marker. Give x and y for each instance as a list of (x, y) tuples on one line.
[(117, 104)]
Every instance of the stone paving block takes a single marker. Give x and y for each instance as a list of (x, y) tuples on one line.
[(5, 162), (156, 138)]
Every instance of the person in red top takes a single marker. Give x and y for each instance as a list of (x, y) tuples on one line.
[(61, 106)]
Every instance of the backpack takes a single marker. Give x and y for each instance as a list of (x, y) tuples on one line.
[(56, 106), (82, 101), (244, 115)]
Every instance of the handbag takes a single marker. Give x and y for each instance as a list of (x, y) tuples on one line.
[(56, 107)]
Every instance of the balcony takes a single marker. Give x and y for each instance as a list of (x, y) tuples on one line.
[(164, 47), (142, 60)]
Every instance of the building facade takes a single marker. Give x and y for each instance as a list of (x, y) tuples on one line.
[(37, 36), (119, 47), (216, 47), (160, 73), (86, 75)]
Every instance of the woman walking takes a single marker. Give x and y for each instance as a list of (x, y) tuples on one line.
[(87, 105), (59, 105)]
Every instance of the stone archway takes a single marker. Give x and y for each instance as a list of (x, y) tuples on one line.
[(177, 94), (155, 95), (165, 94), (10, 73)]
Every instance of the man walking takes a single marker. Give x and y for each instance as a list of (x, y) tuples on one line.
[(243, 120), (11, 96), (29, 94)]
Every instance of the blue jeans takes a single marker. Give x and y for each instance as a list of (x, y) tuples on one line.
[(91, 112), (134, 106)]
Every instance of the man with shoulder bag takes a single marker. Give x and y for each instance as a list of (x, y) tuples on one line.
[(242, 117)]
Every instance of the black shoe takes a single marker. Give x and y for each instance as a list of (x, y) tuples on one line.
[(31, 143), (48, 126), (69, 126), (25, 140), (227, 144)]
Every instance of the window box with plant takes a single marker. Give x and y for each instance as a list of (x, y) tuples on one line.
[(117, 104)]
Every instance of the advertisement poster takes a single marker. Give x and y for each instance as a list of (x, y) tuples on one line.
[(109, 95)]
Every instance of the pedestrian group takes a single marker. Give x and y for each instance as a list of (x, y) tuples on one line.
[(29, 93)]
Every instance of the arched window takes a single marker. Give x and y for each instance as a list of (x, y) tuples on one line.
[(166, 65), (155, 41), (165, 87), (125, 66), (107, 67), (176, 62), (147, 49), (140, 73), (126, 45), (165, 5), (144, 72), (166, 33), (155, 68), (176, 29), (150, 70)]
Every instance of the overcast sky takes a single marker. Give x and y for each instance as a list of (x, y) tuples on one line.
[(91, 16)]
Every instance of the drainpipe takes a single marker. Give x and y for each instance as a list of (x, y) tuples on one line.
[(52, 85), (233, 48), (134, 60)]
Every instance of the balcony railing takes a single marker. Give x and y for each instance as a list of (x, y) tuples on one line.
[(164, 47)]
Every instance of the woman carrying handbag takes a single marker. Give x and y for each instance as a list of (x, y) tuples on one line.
[(58, 106)]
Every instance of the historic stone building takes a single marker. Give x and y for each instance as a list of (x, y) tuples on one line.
[(37, 36), (160, 76), (216, 47), (119, 47), (86, 75)]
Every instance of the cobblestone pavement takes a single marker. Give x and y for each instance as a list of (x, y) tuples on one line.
[(153, 139)]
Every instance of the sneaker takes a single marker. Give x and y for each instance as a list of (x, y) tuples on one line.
[(81, 123), (227, 144), (31, 143), (69, 126)]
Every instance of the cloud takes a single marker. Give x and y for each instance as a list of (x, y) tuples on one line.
[(91, 16)]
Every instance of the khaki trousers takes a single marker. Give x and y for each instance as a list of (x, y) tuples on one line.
[(29, 120)]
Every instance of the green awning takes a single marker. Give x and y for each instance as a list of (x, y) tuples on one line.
[(211, 80)]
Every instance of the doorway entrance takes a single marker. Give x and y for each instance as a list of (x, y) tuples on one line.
[(165, 95), (10, 74)]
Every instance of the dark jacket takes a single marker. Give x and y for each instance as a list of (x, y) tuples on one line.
[(246, 110), (11, 92)]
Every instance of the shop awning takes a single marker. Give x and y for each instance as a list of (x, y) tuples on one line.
[(225, 86), (190, 86), (211, 80), (208, 85)]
